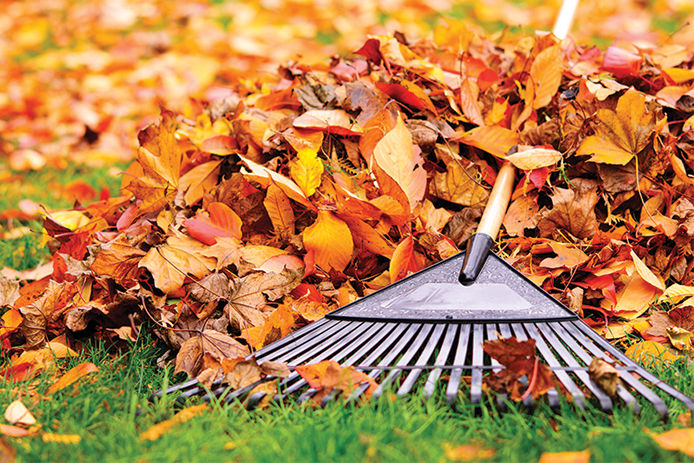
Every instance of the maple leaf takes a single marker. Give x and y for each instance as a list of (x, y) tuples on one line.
[(621, 134), (572, 210), (328, 375), (459, 185), (250, 294), (154, 178), (520, 360), (173, 261), (216, 345)]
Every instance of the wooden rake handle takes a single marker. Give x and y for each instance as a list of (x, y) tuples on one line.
[(480, 243)]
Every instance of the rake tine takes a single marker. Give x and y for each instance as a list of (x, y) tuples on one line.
[(300, 352), (457, 373), (545, 351), (586, 358), (529, 401), (387, 360), (477, 362), (641, 388), (406, 357), (604, 399), (687, 401), (446, 345), (500, 399), (312, 329), (332, 395), (411, 378), (394, 330), (254, 400), (335, 351)]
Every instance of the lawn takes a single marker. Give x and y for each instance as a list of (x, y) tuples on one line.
[(106, 415)]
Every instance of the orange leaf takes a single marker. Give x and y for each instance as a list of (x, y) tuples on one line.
[(546, 73), (396, 155), (468, 452), (330, 240), (158, 430), (280, 211), (328, 375), (72, 375), (623, 133), (493, 139), (565, 457), (405, 260), (676, 439)]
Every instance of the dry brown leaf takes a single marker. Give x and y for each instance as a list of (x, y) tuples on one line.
[(604, 375)]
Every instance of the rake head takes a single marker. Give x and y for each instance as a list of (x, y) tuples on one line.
[(403, 337)]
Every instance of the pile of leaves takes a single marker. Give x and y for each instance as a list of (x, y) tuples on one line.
[(320, 184)]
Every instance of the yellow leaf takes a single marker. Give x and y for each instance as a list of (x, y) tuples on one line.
[(675, 293), (265, 176), (546, 73), (621, 133), (171, 262), (306, 170), (680, 338), (395, 154), (679, 75), (650, 351), (61, 438), (458, 185), (279, 209), (158, 430), (646, 273), (565, 457), (330, 240), (534, 158), (676, 439), (468, 452)]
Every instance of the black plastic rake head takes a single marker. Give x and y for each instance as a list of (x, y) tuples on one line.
[(426, 332)]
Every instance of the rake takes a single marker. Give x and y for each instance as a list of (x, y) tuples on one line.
[(426, 331)]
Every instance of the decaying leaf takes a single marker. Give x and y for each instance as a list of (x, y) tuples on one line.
[(604, 375)]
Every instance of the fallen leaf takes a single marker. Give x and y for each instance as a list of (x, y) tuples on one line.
[(66, 439), (546, 72), (468, 452), (72, 375), (622, 133), (396, 155), (650, 352), (159, 429), (330, 240), (17, 413), (565, 457), (329, 375), (534, 158), (676, 439), (306, 170), (604, 375)]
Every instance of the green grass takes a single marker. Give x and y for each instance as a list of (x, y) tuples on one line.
[(42, 187), (103, 410)]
